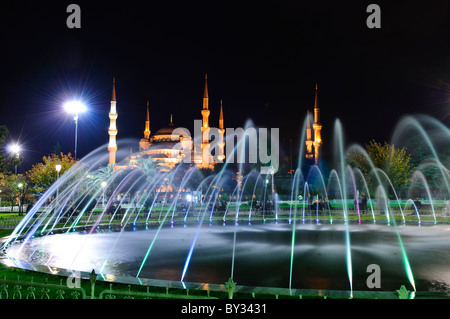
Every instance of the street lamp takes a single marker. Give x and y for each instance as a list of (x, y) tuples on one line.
[(58, 169), (15, 149), (103, 184), (20, 186), (75, 107)]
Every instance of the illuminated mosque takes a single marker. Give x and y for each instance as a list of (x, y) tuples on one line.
[(161, 145)]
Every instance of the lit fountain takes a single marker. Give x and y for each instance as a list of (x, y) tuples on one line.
[(128, 226)]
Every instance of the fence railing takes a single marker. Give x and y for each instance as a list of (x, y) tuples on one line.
[(19, 289), (14, 208), (9, 222)]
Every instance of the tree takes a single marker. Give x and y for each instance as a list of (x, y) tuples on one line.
[(44, 174), (15, 188), (150, 167), (103, 174), (3, 157), (396, 163), (423, 158), (57, 149), (7, 161)]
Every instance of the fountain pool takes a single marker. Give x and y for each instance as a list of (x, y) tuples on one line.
[(262, 253)]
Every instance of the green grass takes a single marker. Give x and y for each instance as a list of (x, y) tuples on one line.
[(8, 214), (5, 232)]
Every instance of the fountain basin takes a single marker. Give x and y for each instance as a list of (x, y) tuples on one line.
[(262, 253)]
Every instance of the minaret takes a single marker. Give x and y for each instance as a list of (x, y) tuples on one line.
[(317, 126), (221, 156), (112, 131), (205, 123), (309, 141), (205, 110), (144, 143), (147, 125)]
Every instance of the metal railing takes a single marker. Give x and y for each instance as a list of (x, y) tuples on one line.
[(18, 289), (9, 222)]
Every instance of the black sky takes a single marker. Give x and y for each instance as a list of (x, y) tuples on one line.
[(263, 58)]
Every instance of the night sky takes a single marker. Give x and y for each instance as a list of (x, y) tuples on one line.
[(263, 58)]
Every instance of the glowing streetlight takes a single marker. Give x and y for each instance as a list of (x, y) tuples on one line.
[(15, 149), (75, 107)]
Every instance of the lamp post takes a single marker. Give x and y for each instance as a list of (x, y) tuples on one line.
[(103, 184), (58, 169), (15, 149), (20, 186), (75, 107)]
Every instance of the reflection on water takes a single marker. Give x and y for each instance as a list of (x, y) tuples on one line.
[(262, 254)]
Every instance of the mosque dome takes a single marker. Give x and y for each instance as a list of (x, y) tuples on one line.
[(165, 131), (164, 134)]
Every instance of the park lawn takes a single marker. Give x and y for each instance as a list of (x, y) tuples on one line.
[(5, 232), (9, 214)]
